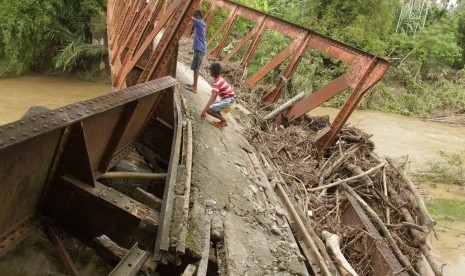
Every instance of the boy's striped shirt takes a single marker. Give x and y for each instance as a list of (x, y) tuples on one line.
[(222, 88)]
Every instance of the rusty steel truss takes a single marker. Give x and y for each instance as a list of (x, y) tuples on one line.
[(143, 38), (364, 71)]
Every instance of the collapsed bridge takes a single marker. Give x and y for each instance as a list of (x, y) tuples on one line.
[(69, 168)]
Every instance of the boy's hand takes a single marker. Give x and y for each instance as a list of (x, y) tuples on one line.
[(203, 115)]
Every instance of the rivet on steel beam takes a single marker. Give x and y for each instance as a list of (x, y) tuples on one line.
[(1, 142), (52, 113), (23, 123), (35, 130), (42, 116), (126, 207), (11, 126), (104, 195), (25, 134), (132, 201), (12, 138), (72, 117), (94, 109), (79, 114), (120, 195), (109, 189), (64, 120), (115, 201), (45, 126), (69, 107), (61, 110), (55, 123)]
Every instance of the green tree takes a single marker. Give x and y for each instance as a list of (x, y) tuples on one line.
[(22, 26)]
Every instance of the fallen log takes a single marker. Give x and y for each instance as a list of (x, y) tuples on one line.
[(285, 106), (134, 175)]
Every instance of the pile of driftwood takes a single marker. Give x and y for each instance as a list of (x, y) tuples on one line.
[(318, 187)]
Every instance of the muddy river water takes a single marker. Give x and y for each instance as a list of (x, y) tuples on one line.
[(394, 135)]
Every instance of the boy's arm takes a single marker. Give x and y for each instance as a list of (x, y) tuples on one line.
[(207, 106)]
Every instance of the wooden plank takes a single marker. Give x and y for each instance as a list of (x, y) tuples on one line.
[(203, 265)]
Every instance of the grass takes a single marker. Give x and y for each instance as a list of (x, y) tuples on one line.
[(447, 210), (450, 170)]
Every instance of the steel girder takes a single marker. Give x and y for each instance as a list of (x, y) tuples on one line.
[(143, 38), (364, 70), (49, 163)]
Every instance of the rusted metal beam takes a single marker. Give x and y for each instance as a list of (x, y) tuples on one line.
[(131, 263), (90, 212), (36, 151), (272, 64), (362, 75), (372, 74), (61, 250), (230, 22), (299, 51), (318, 97), (383, 261), (256, 40), (118, 131)]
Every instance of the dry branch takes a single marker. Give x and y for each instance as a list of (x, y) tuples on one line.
[(428, 221)]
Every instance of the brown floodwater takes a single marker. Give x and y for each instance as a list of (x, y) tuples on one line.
[(394, 135), (18, 94)]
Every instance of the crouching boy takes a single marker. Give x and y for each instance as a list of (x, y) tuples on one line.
[(227, 97)]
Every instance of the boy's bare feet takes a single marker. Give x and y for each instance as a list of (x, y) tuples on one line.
[(190, 88), (219, 125)]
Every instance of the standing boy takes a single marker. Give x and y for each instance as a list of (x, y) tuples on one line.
[(199, 45), (227, 97)]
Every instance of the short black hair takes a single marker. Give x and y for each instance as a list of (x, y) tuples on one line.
[(198, 14), (215, 68)]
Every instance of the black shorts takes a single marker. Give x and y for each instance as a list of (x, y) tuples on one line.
[(197, 60)]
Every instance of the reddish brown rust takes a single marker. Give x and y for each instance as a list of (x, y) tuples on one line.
[(382, 259), (362, 74)]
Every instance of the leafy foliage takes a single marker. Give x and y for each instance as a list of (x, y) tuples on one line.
[(22, 25)]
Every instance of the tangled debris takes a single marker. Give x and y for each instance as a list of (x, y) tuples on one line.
[(321, 186)]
